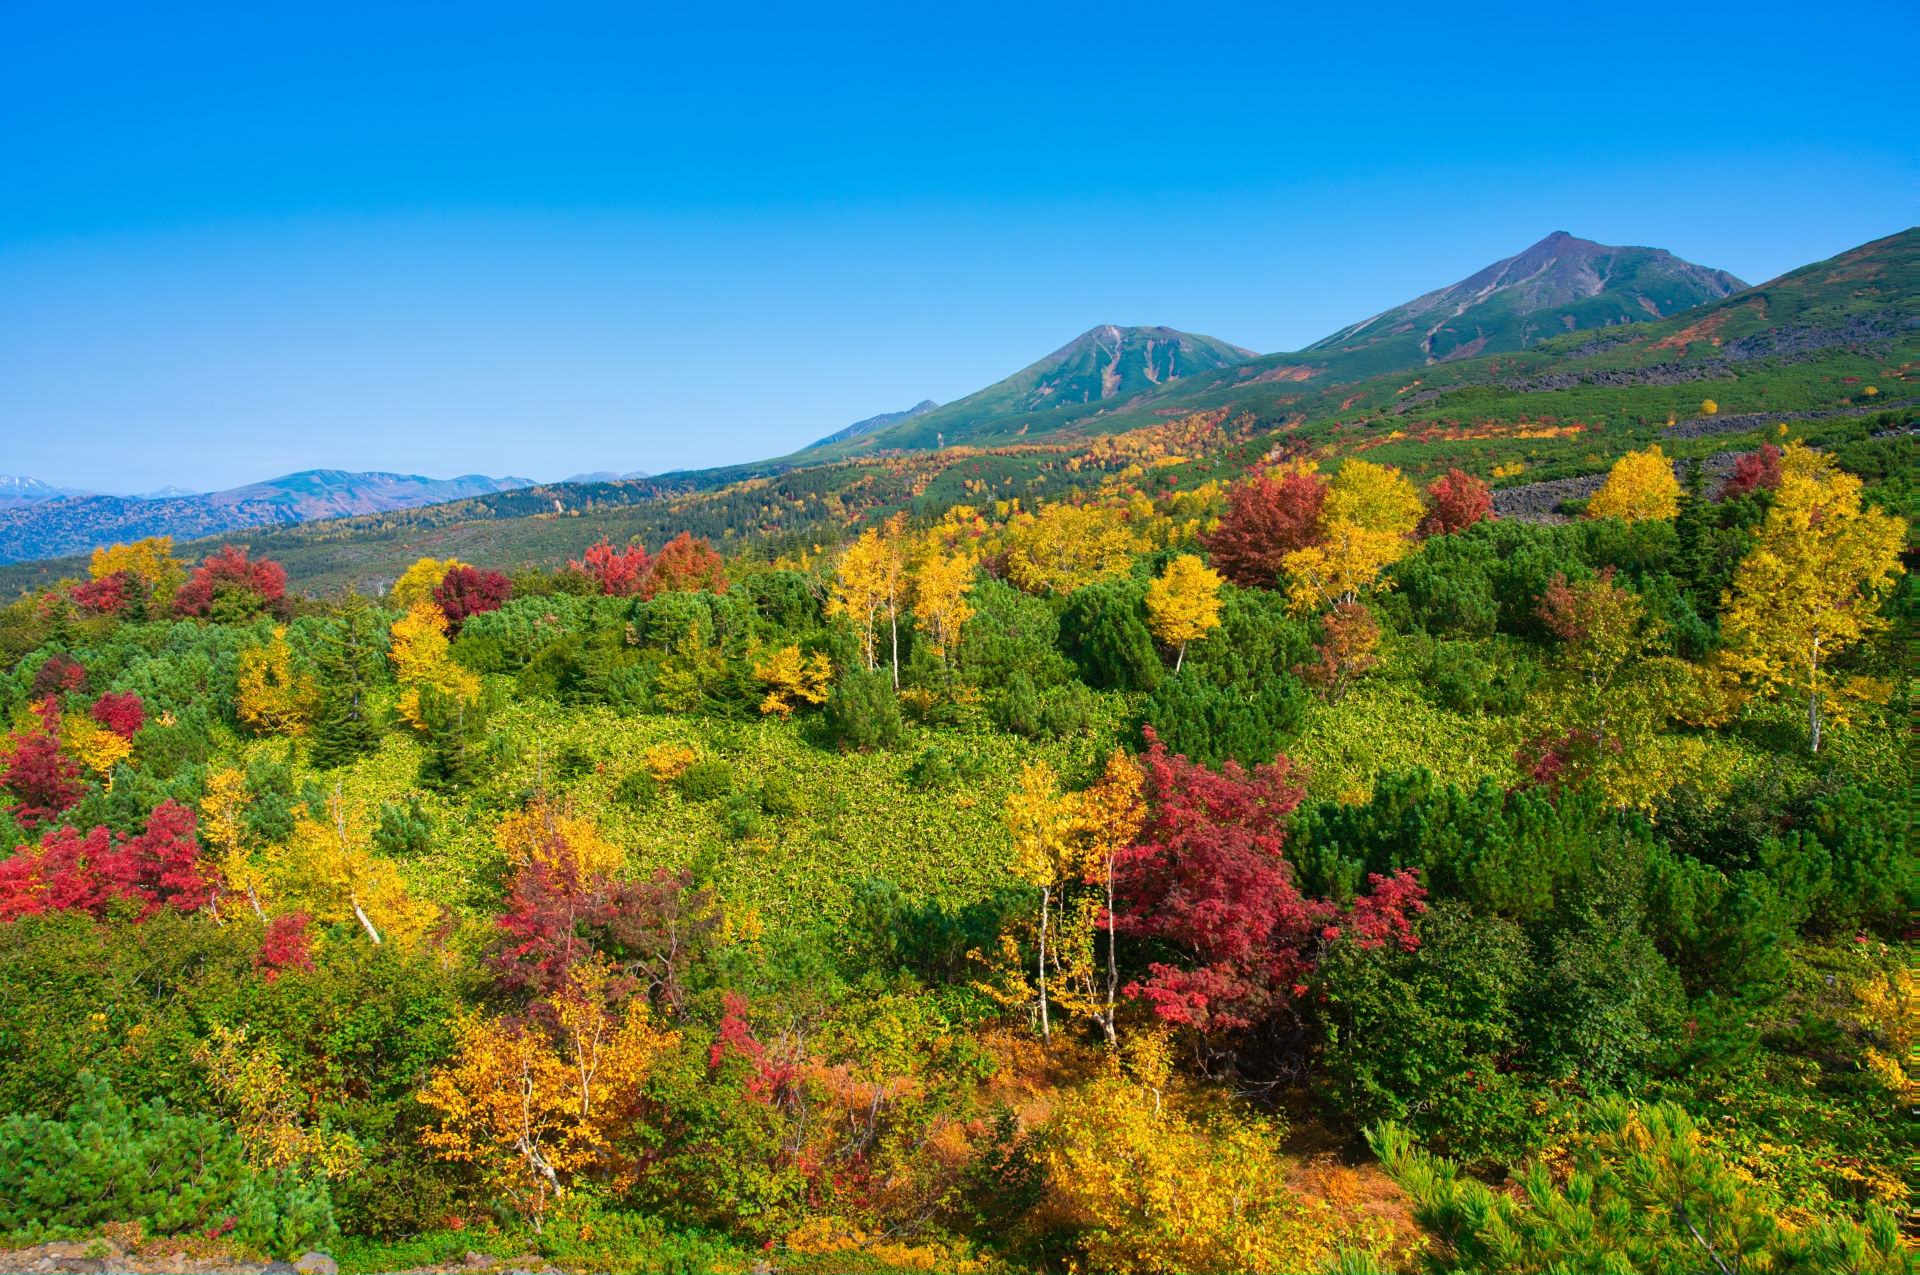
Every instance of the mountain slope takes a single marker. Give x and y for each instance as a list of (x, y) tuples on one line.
[(1099, 371), (881, 421), (1559, 285), (19, 490), (50, 528)]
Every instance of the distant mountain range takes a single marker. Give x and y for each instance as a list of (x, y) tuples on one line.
[(44, 526), (601, 476), (1561, 284)]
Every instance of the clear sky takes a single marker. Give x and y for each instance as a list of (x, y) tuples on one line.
[(241, 240)]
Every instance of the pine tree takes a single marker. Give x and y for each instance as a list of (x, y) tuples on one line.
[(456, 733), (350, 660)]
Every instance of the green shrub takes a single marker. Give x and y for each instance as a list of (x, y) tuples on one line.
[(639, 789), (1010, 632), (779, 797), (1067, 712), (863, 711), (1104, 631), (1212, 724), (171, 1172), (708, 780), (940, 767), (404, 832)]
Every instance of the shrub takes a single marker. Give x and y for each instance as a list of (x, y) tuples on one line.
[(1104, 630), (706, 781), (1010, 632), (1212, 724), (168, 1171), (939, 767), (779, 797), (404, 831), (639, 790), (863, 711)]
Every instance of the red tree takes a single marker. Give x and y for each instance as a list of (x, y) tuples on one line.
[(57, 676), (1266, 519), (121, 592), (120, 712), (1206, 876), (686, 565), (229, 572), (467, 591), (43, 780), (287, 945), (620, 573), (1455, 503), (68, 872), (1754, 471)]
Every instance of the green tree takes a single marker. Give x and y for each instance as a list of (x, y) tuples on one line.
[(352, 656)]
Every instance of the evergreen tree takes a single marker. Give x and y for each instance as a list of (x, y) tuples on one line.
[(456, 736), (351, 657)]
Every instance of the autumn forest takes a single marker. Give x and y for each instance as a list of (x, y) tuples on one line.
[(1275, 838)]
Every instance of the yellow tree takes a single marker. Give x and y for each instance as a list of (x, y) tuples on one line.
[(151, 559), (788, 677), (222, 811), (100, 748), (1811, 588), (417, 582), (941, 582), (1183, 604), (531, 1106), (422, 656), (1103, 820), (328, 872), (1156, 1189), (869, 585), (1068, 546), (1640, 486), (545, 832), (273, 697), (266, 1104), (1365, 526), (1041, 823)]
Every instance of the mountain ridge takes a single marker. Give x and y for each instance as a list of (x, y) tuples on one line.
[(78, 524)]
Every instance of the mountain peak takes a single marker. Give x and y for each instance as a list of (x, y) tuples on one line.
[(1561, 284), (881, 421)]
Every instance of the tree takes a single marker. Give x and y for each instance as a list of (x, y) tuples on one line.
[(124, 593), (1755, 471), (1455, 503), (68, 872), (464, 592), (1068, 546), (1041, 823), (328, 871), (272, 697), (788, 678), (1183, 603), (229, 588), (43, 780), (1366, 525), (940, 584), (1640, 486), (417, 582), (869, 585), (151, 559), (350, 661), (685, 565), (617, 573), (1267, 518), (456, 730), (534, 1106), (1156, 1189), (1346, 650), (422, 656), (1103, 820), (121, 712), (1812, 588), (1206, 877)]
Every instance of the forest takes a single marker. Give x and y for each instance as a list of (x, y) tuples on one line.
[(1233, 849)]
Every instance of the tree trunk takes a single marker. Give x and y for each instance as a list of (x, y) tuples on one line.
[(893, 622), (1113, 965), (1046, 1028), (1181, 658), (1813, 720)]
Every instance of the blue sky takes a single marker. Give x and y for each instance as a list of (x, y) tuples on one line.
[(237, 241)]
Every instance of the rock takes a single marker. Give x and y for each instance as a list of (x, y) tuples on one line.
[(317, 1264), (80, 1265), (481, 1261), (277, 1268)]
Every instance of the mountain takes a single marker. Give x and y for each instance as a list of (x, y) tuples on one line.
[(1129, 377), (1561, 284), (78, 524), (1103, 370), (19, 490), (881, 421), (604, 476), (162, 493)]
